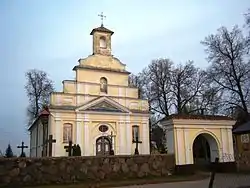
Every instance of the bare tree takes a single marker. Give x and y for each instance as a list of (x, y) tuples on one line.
[(176, 89), (136, 81), (156, 84), (159, 137), (38, 89), (247, 18), (208, 101), (186, 85), (230, 68)]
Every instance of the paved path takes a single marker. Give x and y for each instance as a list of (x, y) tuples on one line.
[(221, 181)]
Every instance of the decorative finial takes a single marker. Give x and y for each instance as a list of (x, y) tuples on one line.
[(102, 16)]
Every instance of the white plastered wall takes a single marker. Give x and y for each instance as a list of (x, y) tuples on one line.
[(184, 131)]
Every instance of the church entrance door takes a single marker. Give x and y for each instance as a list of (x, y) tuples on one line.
[(103, 146)]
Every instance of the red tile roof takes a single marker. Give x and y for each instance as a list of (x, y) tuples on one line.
[(203, 117), (44, 113), (101, 29)]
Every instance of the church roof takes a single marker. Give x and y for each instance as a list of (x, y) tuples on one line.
[(244, 128), (44, 113), (201, 117), (101, 29)]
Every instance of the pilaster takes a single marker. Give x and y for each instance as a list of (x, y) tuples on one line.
[(122, 140), (87, 142), (120, 94), (188, 143), (86, 91), (79, 131), (230, 144), (77, 93), (128, 135), (179, 144), (223, 148), (145, 146), (57, 134)]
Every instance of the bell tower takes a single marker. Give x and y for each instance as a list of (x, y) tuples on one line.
[(102, 39)]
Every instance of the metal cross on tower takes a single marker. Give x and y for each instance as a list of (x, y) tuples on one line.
[(102, 16)]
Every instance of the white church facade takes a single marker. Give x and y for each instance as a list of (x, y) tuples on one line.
[(98, 110)]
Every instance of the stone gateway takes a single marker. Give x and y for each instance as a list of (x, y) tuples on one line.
[(199, 139), (98, 102)]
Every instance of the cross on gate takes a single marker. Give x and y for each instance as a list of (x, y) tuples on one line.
[(22, 147), (102, 16), (51, 141), (69, 148)]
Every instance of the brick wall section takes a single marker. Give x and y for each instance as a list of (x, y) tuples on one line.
[(243, 161), (37, 171)]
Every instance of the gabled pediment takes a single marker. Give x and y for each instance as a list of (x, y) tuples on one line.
[(103, 104)]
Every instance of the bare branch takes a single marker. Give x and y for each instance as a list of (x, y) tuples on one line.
[(227, 51), (38, 89)]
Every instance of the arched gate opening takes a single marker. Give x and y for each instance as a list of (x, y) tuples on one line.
[(205, 150)]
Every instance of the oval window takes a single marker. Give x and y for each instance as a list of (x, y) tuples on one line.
[(103, 128)]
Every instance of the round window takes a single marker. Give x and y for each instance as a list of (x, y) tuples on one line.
[(103, 128)]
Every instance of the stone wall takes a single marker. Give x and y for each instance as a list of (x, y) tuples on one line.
[(37, 171)]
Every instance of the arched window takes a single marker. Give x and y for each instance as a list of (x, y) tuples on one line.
[(103, 43), (135, 132), (103, 85), (67, 132)]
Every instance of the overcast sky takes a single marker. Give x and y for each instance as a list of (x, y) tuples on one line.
[(53, 35)]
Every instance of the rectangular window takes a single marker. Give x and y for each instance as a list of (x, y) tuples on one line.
[(244, 138), (135, 132), (67, 132)]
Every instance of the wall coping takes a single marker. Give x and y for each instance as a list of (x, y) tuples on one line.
[(78, 157)]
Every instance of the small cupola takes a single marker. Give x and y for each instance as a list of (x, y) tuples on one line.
[(102, 39)]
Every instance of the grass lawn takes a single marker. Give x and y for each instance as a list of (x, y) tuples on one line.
[(140, 181)]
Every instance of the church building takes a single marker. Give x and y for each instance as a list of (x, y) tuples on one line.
[(98, 110)]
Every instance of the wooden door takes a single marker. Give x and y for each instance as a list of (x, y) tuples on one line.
[(102, 146)]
